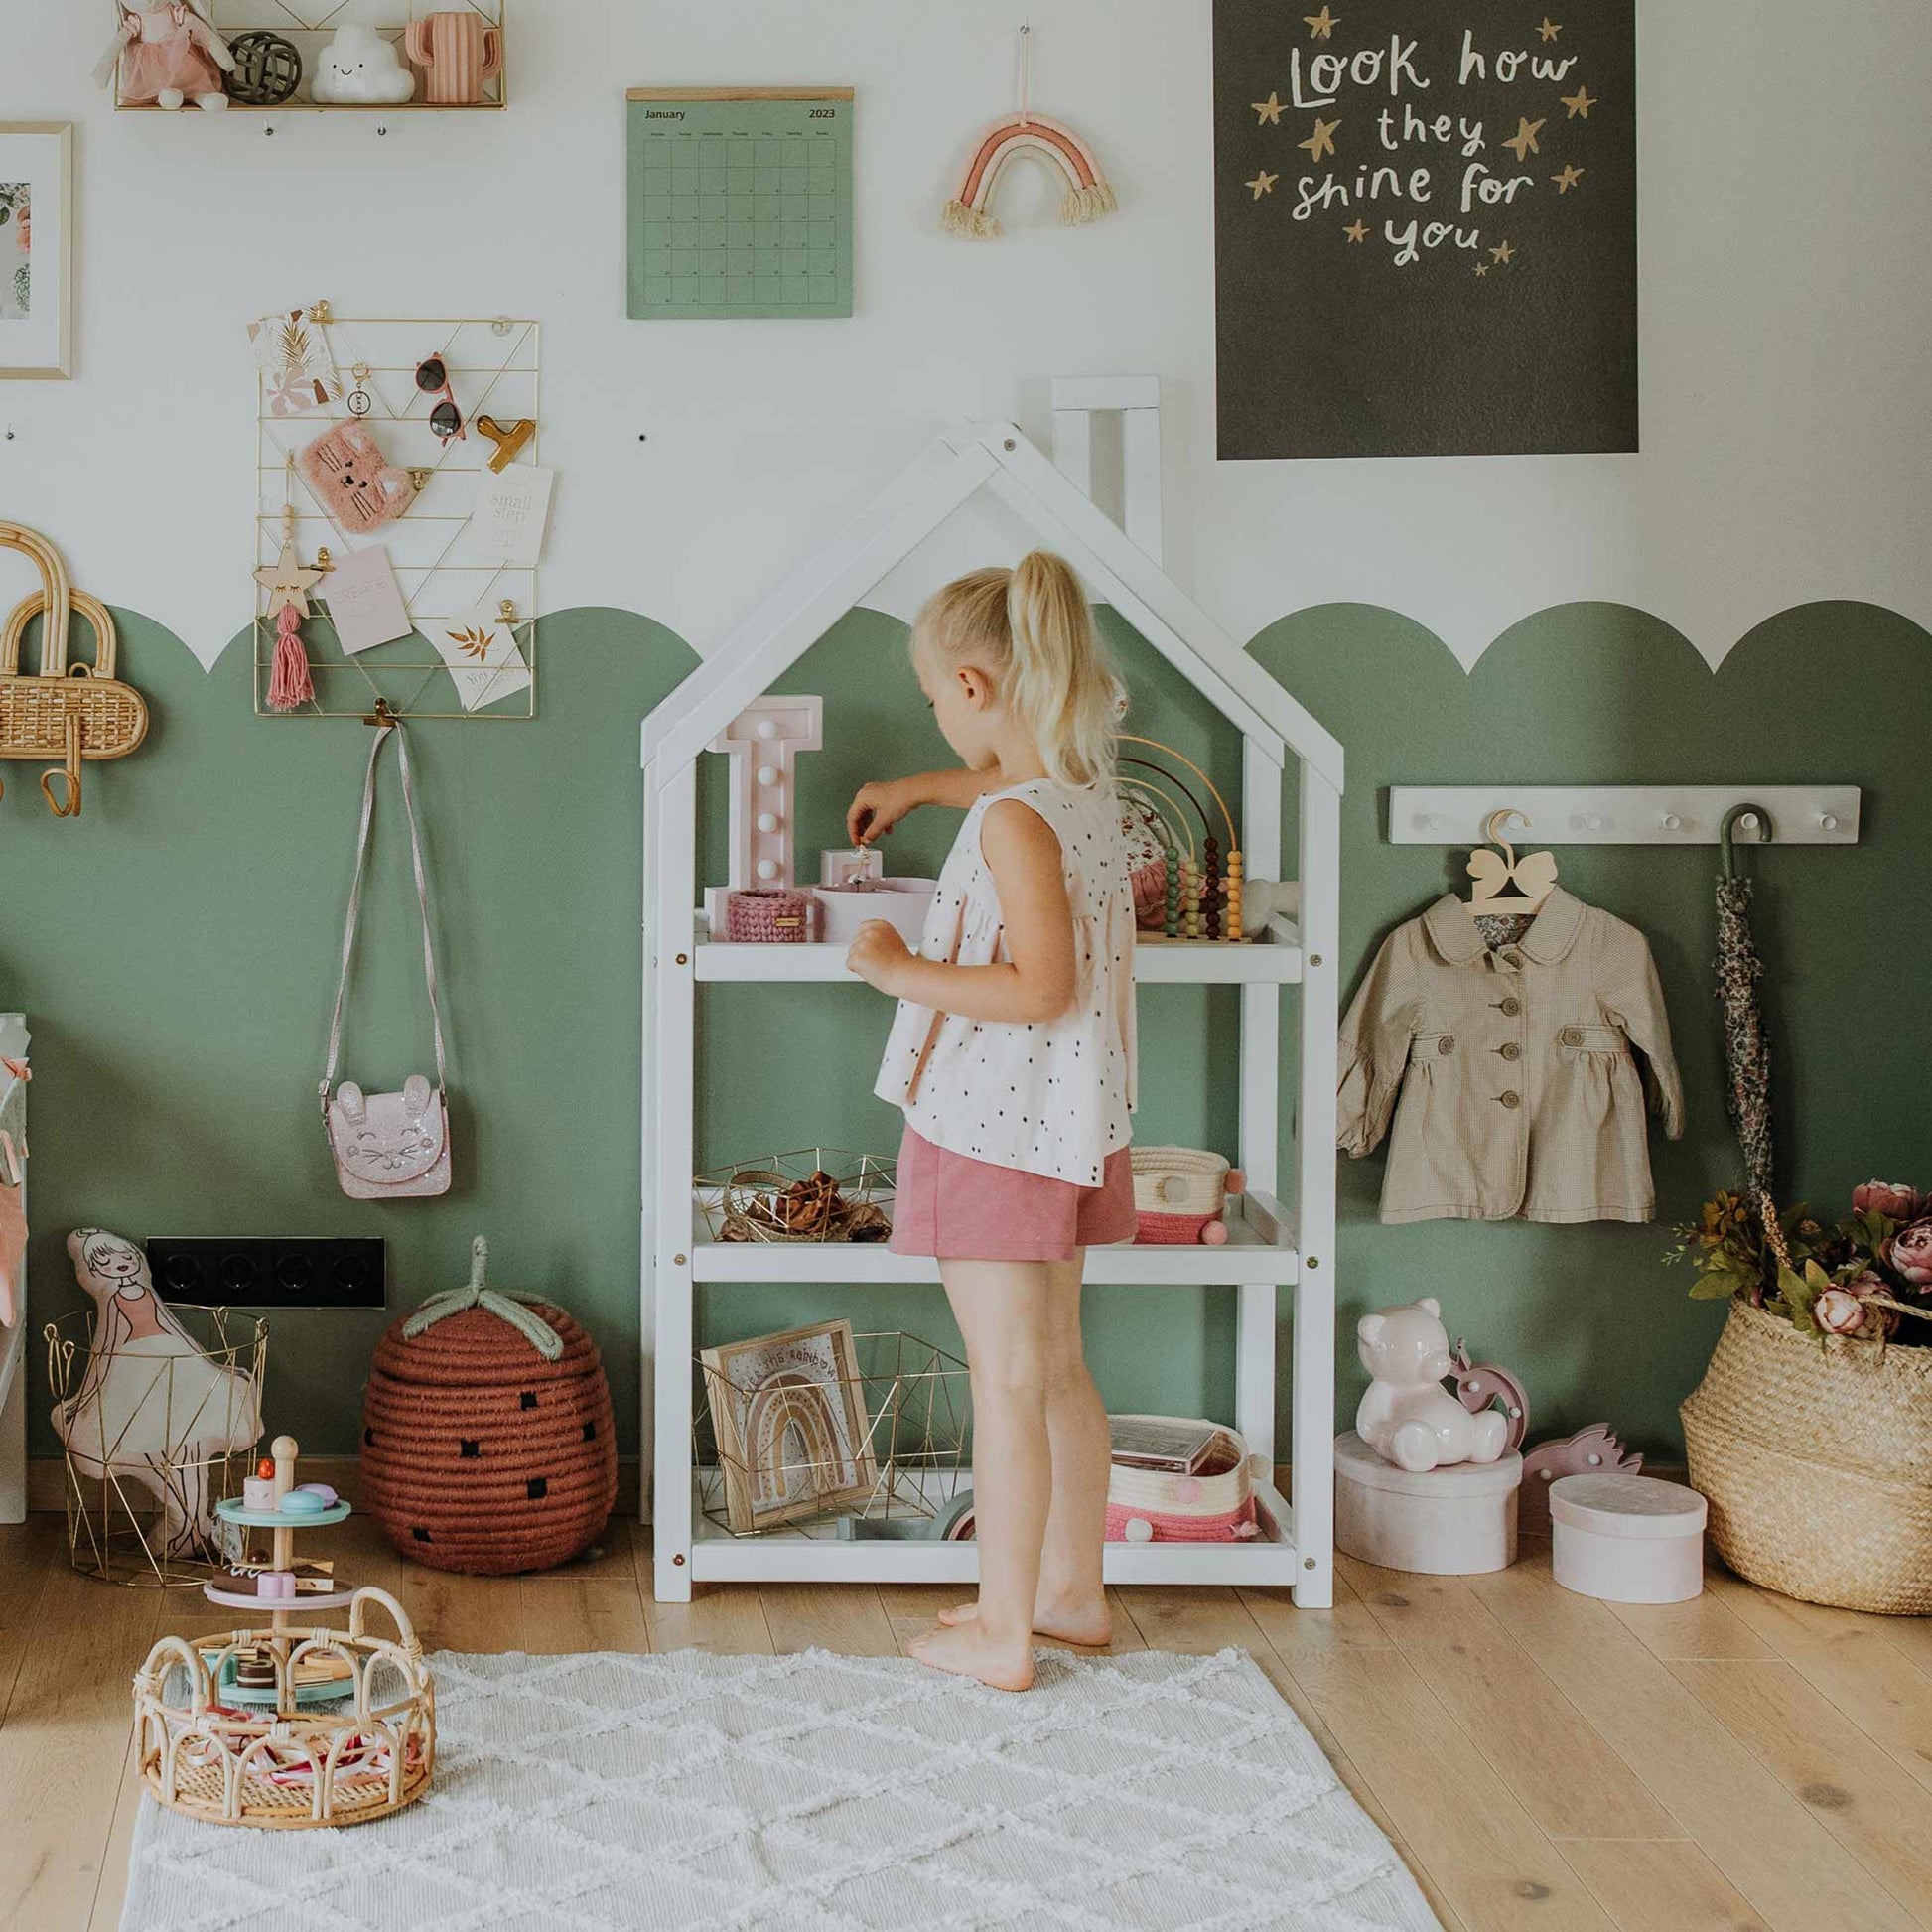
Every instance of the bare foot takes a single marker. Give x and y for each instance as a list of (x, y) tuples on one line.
[(1088, 1623), (966, 1651)]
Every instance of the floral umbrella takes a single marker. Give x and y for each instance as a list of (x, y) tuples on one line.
[(1747, 1055)]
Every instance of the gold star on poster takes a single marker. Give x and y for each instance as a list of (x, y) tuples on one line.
[(1503, 253), (1270, 110), (1321, 26), (1356, 230), (1568, 179), (1548, 30), (1482, 269), (1263, 184), (1524, 139), (286, 581), (1579, 103), (1322, 140)]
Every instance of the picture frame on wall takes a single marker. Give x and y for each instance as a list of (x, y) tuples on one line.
[(35, 250)]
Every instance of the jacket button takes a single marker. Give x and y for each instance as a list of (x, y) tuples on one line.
[(1446, 1045), (1512, 957), (1512, 1005), (1572, 1036), (1511, 1099), (1510, 1051)]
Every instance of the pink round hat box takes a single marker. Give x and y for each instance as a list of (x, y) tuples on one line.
[(1627, 1539)]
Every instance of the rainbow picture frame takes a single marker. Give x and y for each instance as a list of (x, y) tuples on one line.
[(1088, 194)]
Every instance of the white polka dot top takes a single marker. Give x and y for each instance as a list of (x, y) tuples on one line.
[(1054, 1097)]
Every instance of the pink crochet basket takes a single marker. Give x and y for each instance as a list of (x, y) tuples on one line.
[(772, 916), (1216, 1504), (1180, 1195)]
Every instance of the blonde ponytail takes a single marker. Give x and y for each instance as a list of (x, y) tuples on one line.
[(1030, 628)]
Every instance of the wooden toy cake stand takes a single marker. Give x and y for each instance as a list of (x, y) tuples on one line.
[(285, 1725)]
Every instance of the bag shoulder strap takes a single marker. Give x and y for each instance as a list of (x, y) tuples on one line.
[(355, 908)]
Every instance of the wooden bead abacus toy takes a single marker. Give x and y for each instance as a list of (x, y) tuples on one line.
[(285, 1726), (1203, 892)]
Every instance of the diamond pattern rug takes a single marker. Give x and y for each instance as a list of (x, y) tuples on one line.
[(816, 1793)]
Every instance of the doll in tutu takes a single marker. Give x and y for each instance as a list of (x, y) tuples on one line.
[(168, 55)]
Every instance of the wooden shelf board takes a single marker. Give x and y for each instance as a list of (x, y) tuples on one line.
[(1257, 1249), (1158, 961), (817, 1556)]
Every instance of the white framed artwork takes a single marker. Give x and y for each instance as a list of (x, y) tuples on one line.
[(36, 249)]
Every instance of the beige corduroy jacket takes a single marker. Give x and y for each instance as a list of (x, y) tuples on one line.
[(1509, 1073)]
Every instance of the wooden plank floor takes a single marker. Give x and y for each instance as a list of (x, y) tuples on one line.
[(1541, 1761)]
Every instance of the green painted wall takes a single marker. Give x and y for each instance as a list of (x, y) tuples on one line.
[(175, 951)]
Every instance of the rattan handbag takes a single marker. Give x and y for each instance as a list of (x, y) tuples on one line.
[(62, 712)]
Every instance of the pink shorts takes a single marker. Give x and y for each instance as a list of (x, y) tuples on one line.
[(956, 1209)]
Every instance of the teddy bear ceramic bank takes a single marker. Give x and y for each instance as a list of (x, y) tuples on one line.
[(1407, 1417), (1428, 1480)]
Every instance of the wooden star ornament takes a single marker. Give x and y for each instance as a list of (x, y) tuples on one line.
[(1321, 26), (287, 582), (1270, 110), (1322, 140)]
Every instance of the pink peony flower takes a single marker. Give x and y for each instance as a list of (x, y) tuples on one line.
[(1839, 1312), (1909, 1254), (1867, 1283), (1891, 1199)]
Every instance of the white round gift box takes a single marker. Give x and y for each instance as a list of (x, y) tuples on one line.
[(1627, 1539), (1458, 1521)]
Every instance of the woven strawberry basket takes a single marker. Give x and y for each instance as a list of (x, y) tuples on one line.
[(488, 1444)]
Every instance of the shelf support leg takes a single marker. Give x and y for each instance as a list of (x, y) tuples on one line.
[(1312, 1420)]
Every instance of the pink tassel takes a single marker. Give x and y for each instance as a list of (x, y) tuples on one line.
[(290, 686)]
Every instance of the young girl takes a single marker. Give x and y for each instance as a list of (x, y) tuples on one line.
[(1012, 1057)]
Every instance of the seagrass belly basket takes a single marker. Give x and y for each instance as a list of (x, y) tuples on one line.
[(61, 714), (1817, 1462), (487, 1434)]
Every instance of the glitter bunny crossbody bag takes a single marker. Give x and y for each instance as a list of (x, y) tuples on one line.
[(387, 1146)]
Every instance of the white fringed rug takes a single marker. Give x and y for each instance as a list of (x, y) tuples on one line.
[(817, 1793)]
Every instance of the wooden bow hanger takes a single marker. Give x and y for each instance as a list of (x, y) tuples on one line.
[(1533, 875)]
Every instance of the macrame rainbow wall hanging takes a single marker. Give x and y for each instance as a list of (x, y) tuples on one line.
[(1087, 196)]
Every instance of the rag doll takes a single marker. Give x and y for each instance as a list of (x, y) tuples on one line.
[(168, 55), (153, 1407)]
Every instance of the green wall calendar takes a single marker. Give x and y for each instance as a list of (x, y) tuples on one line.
[(739, 202)]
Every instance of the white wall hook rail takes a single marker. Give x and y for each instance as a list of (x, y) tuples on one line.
[(1621, 814)]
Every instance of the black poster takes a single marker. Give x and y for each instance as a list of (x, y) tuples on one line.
[(1424, 227)]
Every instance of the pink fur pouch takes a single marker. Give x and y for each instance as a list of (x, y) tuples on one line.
[(354, 481)]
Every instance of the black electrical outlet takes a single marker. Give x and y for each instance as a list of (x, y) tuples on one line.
[(269, 1271)]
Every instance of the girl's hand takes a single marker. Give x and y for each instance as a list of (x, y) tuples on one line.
[(877, 955), (878, 808)]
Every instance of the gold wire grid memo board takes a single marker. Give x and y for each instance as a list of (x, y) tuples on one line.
[(495, 368)]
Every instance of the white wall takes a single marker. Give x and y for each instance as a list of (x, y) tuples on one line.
[(1785, 178)]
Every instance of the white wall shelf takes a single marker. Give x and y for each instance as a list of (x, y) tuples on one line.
[(1271, 1245)]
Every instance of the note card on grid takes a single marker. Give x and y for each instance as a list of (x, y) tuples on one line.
[(739, 202)]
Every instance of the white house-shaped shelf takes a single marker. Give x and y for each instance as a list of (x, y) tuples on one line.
[(1284, 1235)]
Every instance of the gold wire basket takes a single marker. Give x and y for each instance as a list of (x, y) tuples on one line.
[(830, 1431), (812, 1193), (149, 1519)]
